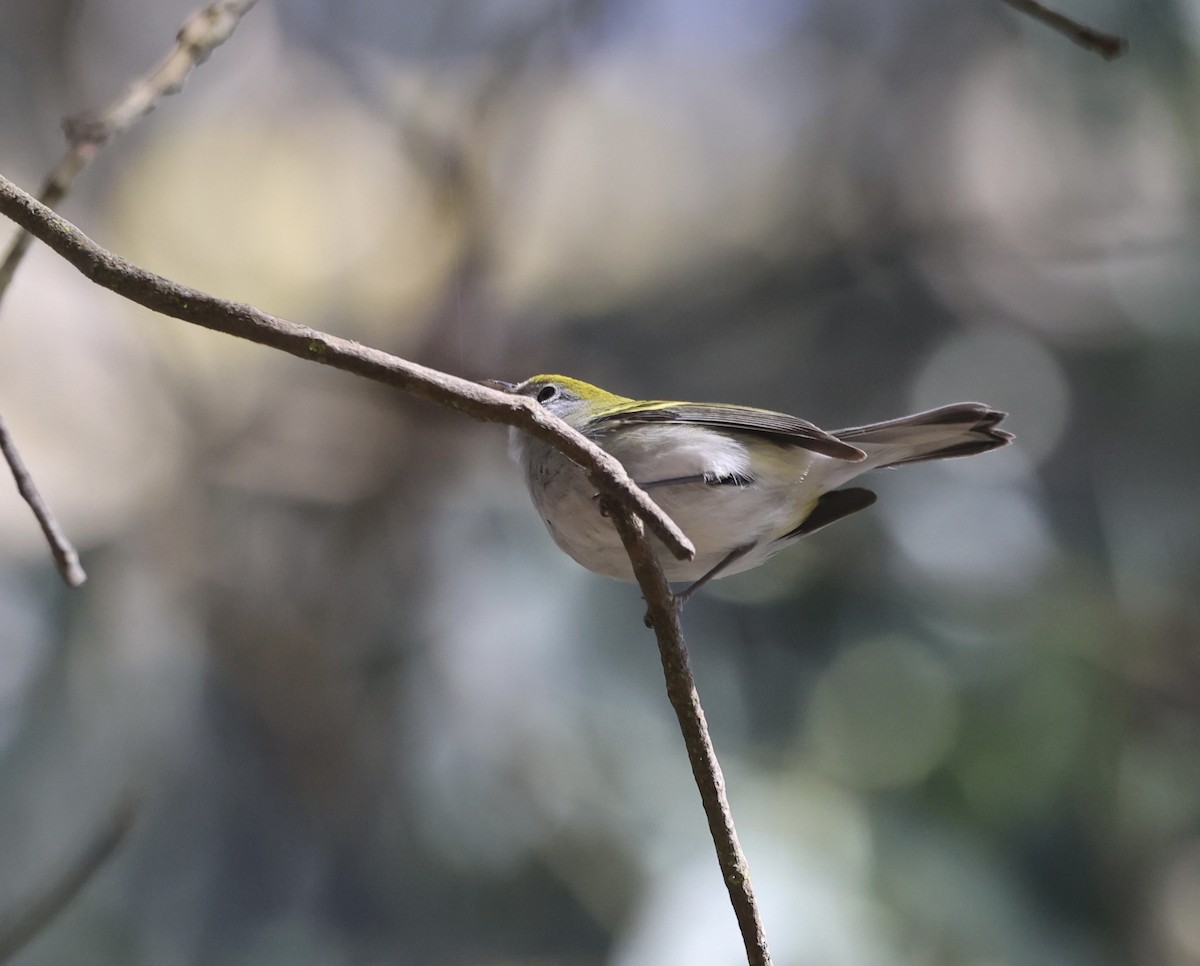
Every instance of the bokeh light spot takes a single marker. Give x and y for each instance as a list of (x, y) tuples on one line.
[(1006, 369), (990, 538), (883, 715)]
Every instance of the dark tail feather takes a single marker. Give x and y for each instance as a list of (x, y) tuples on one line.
[(963, 429)]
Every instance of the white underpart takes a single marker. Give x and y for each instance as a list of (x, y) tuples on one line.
[(719, 519)]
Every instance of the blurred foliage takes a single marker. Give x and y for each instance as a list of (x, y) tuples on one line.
[(373, 716)]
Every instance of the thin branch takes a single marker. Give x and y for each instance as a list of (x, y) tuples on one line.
[(628, 504), (200, 35), (246, 322), (663, 616), (1108, 46), (25, 926), (65, 557)]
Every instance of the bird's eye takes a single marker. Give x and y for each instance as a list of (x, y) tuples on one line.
[(546, 393)]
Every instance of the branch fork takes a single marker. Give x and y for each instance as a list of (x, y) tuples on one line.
[(632, 511)]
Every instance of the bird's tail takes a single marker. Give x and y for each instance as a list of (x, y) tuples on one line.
[(963, 429)]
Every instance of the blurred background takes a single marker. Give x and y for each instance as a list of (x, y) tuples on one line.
[(371, 715)]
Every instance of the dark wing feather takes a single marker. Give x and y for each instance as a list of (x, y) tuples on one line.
[(790, 430), (831, 507)]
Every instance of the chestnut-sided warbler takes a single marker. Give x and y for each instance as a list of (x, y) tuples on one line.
[(742, 483)]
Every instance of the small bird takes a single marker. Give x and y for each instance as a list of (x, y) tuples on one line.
[(742, 483)]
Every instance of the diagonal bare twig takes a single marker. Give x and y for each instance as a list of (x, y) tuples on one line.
[(1108, 46), (15, 933), (201, 33), (663, 616), (65, 556)]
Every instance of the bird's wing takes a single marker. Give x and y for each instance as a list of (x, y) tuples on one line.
[(789, 430)]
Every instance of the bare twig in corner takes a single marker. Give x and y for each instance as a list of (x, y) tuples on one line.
[(663, 616), (16, 933), (65, 557), (201, 33), (1107, 46)]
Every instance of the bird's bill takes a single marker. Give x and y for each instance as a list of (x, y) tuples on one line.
[(498, 384)]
